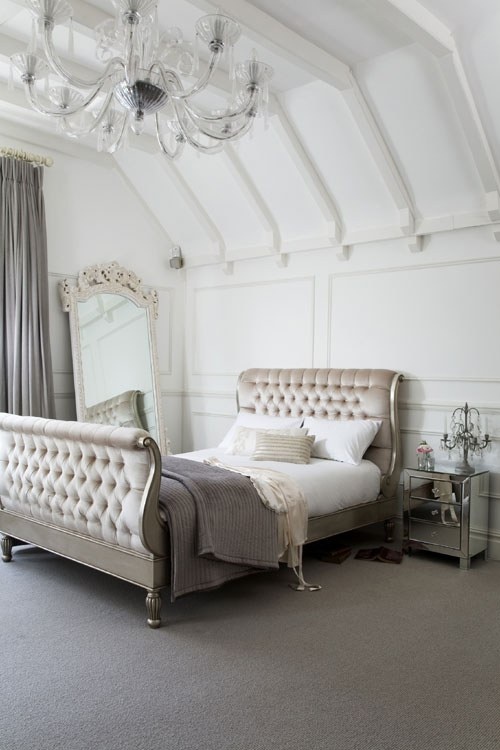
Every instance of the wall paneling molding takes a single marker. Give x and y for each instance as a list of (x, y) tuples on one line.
[(308, 282)]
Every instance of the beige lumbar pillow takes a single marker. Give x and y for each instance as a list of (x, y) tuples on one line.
[(293, 449), (244, 439)]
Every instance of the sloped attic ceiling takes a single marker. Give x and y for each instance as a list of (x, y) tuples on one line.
[(381, 125)]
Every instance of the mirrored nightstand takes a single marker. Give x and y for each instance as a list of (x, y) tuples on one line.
[(447, 512)]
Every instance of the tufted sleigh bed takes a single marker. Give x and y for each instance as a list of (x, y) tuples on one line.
[(92, 492)]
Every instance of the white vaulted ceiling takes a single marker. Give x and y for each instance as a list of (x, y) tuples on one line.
[(382, 124)]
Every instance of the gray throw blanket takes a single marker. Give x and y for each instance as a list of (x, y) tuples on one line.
[(219, 527)]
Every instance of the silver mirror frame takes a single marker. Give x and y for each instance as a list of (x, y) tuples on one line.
[(111, 278)]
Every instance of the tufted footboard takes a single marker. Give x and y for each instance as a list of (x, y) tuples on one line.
[(87, 492)]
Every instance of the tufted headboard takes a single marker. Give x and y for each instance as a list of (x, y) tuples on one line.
[(332, 394)]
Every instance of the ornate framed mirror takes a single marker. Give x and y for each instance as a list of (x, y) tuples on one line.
[(113, 341)]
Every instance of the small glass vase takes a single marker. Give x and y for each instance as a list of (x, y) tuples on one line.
[(425, 457)]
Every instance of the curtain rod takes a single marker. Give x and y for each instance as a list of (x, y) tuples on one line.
[(37, 159)]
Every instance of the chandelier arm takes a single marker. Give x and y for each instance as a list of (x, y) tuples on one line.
[(212, 149), (179, 94), (244, 109), (216, 137), (71, 130), (179, 144), (33, 100), (57, 67)]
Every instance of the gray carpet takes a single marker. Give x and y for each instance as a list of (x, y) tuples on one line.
[(385, 657)]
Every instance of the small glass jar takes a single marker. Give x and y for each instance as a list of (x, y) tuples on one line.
[(425, 456)]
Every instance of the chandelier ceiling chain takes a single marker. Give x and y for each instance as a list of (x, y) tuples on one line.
[(146, 72)]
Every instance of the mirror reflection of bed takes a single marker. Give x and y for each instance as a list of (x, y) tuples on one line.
[(116, 362), (121, 410)]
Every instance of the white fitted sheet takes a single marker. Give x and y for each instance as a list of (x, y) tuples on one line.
[(327, 485)]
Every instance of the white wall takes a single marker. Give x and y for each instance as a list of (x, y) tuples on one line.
[(434, 316)]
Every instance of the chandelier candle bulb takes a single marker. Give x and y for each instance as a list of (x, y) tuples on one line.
[(143, 76)]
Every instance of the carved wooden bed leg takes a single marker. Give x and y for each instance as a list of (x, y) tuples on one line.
[(153, 606), (389, 529), (6, 545)]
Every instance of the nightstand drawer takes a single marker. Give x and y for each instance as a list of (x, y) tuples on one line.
[(435, 511), (439, 489), (432, 533)]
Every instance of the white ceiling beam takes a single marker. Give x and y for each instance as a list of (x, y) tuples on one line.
[(382, 155), (309, 173), (233, 255), (301, 244), (9, 46), (418, 23), (472, 126), (451, 222), (202, 216), (416, 244), (372, 234), (344, 253), (282, 41), (254, 198), (8, 11), (493, 205)]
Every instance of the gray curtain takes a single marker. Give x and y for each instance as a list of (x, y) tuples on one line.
[(26, 385)]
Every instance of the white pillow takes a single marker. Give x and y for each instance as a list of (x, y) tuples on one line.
[(244, 439), (340, 440), (259, 422)]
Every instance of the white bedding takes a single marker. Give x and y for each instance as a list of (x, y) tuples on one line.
[(327, 485)]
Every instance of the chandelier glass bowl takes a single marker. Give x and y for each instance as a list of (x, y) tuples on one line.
[(147, 73)]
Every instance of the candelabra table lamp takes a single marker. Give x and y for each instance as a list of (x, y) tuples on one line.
[(466, 435)]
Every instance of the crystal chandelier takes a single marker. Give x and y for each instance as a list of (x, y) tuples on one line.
[(145, 72)]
